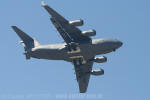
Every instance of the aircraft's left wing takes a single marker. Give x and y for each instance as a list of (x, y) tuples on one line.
[(70, 31), (83, 75)]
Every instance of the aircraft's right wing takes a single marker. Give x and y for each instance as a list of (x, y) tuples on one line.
[(72, 33), (83, 75)]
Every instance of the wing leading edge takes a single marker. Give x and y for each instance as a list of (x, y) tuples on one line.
[(70, 31)]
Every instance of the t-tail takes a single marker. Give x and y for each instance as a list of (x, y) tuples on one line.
[(27, 41)]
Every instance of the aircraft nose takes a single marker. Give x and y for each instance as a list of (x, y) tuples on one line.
[(119, 43)]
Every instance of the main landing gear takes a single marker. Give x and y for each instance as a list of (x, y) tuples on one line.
[(73, 47), (78, 60)]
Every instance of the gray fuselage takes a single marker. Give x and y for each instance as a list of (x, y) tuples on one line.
[(88, 50)]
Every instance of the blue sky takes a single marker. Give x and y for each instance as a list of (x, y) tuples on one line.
[(126, 72)]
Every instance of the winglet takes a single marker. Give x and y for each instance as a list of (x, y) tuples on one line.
[(43, 4)]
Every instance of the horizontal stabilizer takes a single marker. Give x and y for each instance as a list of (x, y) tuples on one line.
[(27, 40), (22, 34)]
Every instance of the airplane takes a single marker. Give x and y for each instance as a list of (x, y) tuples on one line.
[(79, 48)]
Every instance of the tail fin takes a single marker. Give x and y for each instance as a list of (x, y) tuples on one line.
[(27, 41)]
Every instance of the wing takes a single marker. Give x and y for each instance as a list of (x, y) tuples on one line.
[(71, 31), (62, 32), (83, 75)]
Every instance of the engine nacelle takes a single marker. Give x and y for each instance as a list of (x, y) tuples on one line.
[(100, 59), (77, 22), (97, 72), (89, 33)]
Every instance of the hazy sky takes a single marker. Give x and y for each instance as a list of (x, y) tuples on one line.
[(127, 71)]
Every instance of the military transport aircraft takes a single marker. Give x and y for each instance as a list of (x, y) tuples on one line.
[(79, 48)]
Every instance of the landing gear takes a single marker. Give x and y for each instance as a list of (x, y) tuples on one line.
[(78, 60), (73, 50), (73, 47)]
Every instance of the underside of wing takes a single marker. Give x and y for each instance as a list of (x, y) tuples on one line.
[(70, 30), (83, 75)]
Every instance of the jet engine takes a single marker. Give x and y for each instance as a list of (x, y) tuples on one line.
[(97, 72), (89, 33), (77, 22), (100, 59)]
